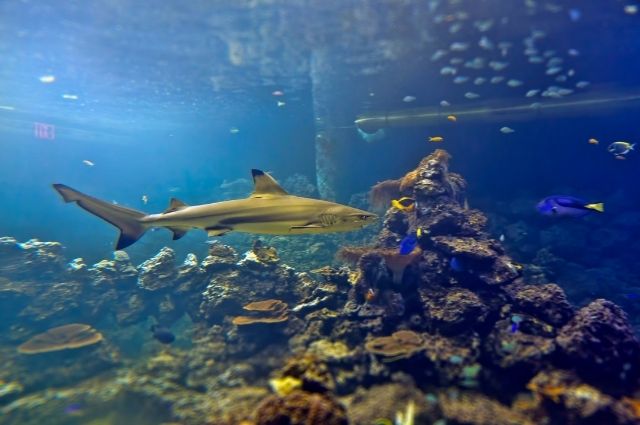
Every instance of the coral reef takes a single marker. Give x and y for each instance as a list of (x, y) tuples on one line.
[(456, 328)]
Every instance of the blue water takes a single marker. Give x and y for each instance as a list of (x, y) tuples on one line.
[(175, 99)]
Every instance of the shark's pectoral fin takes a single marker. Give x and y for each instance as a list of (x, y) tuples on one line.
[(177, 233), (218, 230), (294, 229), (308, 226)]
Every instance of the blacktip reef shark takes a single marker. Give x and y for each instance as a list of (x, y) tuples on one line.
[(268, 210)]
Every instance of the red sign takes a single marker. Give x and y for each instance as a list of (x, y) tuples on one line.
[(44, 131)]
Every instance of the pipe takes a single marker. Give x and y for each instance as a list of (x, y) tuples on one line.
[(372, 122)]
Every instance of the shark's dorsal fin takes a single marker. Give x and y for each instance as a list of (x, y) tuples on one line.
[(175, 205), (265, 185)]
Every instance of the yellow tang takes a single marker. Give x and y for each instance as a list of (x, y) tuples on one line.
[(404, 204)]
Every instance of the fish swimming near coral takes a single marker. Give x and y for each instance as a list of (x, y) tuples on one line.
[(162, 334), (409, 243), (515, 323), (74, 409), (457, 265), (404, 204), (568, 206), (268, 210)]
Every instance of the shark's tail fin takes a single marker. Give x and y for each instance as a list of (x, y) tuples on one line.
[(125, 219)]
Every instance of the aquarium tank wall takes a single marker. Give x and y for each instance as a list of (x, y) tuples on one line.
[(292, 212)]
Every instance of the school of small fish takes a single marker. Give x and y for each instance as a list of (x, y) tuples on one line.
[(473, 53)]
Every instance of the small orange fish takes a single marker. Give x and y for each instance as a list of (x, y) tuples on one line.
[(452, 118), (593, 141), (436, 138), (370, 296)]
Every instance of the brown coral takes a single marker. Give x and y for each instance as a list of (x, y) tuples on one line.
[(399, 345), (272, 306), (396, 262), (477, 409), (248, 320), (382, 193), (301, 408), (270, 311), (74, 335)]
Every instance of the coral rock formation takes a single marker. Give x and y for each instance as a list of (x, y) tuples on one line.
[(600, 343), (301, 408)]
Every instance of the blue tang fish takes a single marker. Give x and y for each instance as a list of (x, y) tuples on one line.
[(409, 242), (567, 206), (456, 265)]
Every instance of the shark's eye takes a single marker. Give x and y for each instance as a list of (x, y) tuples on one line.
[(364, 217)]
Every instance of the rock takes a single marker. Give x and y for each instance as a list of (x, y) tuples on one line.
[(221, 257), (470, 249), (190, 277), (118, 272), (454, 310), (158, 273), (132, 310), (478, 409), (450, 356), (383, 401), (56, 302), (573, 401), (521, 353), (30, 259), (547, 302), (301, 408), (78, 269), (600, 344), (229, 290)]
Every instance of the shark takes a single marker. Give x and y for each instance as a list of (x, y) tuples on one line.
[(268, 210)]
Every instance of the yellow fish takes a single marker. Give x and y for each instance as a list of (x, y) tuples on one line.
[(452, 118), (404, 204), (436, 138), (593, 141)]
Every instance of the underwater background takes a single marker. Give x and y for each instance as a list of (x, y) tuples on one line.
[(500, 315)]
